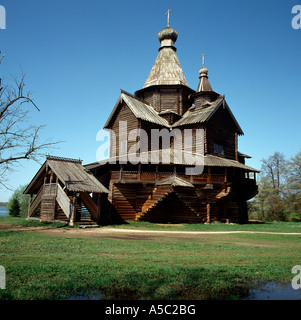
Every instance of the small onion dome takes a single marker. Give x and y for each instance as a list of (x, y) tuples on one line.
[(203, 72), (168, 33)]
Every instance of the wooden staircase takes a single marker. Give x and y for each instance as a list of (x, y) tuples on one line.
[(157, 196), (36, 202), (87, 210)]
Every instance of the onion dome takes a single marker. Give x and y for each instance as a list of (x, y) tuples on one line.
[(168, 33)]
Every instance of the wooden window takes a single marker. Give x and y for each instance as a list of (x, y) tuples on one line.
[(218, 149)]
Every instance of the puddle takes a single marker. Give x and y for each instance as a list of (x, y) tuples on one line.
[(269, 291), (86, 296), (274, 291)]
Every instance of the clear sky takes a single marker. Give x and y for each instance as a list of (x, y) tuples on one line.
[(77, 55)]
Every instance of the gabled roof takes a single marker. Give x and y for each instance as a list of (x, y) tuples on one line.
[(201, 115), (71, 173), (174, 181), (140, 110)]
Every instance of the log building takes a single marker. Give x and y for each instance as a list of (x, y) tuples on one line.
[(149, 189), (152, 176)]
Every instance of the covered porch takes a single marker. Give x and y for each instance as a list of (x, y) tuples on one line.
[(63, 191)]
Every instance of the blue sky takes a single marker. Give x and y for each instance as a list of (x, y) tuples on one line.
[(77, 55)]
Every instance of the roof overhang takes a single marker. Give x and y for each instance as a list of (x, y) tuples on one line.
[(71, 174)]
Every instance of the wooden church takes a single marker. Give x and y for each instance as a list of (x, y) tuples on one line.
[(151, 176)]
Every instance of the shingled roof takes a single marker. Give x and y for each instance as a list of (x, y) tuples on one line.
[(174, 157), (201, 115), (140, 110), (71, 173), (166, 69)]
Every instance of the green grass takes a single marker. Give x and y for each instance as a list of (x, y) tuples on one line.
[(284, 227), (22, 222), (42, 266)]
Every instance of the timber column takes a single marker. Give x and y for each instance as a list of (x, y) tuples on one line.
[(73, 211), (208, 212)]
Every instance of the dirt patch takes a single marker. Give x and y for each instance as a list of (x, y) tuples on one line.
[(127, 234)]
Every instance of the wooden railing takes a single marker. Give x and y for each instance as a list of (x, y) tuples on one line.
[(89, 204), (35, 202), (152, 177), (64, 201)]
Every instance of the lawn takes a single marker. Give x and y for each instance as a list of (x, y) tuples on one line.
[(282, 227), (224, 266)]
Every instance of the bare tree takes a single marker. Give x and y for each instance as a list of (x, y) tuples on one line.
[(18, 139), (274, 169)]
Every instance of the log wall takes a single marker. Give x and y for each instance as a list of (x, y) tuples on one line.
[(131, 122), (161, 98), (221, 130)]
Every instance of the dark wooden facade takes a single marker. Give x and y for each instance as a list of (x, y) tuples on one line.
[(160, 192), (151, 189)]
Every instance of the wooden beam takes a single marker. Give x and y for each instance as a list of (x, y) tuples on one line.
[(73, 210), (208, 212), (99, 213), (139, 171), (29, 203), (209, 175), (120, 172)]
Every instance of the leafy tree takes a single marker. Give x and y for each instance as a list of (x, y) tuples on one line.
[(272, 187), (294, 187), (22, 198), (279, 185), (270, 201), (14, 207)]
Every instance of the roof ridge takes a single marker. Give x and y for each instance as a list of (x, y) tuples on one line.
[(50, 157), (132, 96)]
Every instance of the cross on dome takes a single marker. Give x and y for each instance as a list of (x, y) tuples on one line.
[(167, 13), (203, 59)]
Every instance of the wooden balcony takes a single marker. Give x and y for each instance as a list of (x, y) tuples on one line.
[(153, 177)]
